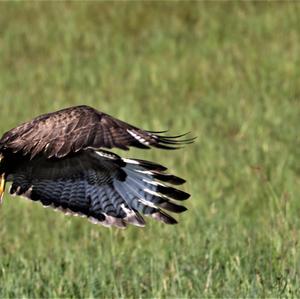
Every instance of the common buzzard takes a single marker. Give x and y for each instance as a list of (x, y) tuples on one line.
[(59, 159)]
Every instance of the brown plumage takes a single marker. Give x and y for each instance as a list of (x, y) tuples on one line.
[(73, 129), (58, 159)]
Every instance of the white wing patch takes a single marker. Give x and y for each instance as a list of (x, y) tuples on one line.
[(138, 137)]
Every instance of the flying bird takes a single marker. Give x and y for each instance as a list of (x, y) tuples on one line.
[(61, 159)]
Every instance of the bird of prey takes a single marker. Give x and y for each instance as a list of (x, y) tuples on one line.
[(61, 160)]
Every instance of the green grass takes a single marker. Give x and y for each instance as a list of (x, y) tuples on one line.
[(230, 73)]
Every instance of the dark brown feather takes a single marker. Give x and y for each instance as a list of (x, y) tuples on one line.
[(77, 128)]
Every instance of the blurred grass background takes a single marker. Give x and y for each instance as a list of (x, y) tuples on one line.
[(227, 71)]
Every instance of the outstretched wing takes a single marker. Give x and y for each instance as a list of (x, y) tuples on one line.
[(101, 186), (78, 128)]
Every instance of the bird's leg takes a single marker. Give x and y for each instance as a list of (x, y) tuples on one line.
[(2, 186)]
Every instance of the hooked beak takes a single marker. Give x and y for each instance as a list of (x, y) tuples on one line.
[(2, 186)]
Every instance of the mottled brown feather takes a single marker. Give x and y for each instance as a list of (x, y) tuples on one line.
[(78, 128)]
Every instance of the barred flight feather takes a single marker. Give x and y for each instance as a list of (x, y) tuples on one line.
[(100, 192)]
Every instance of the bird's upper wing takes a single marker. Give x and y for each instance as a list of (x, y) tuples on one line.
[(101, 186), (77, 128)]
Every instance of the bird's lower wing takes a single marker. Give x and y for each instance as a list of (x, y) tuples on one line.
[(101, 186)]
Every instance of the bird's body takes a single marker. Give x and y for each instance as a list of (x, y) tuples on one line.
[(60, 160)]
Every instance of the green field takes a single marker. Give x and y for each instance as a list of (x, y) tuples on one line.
[(228, 72)]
